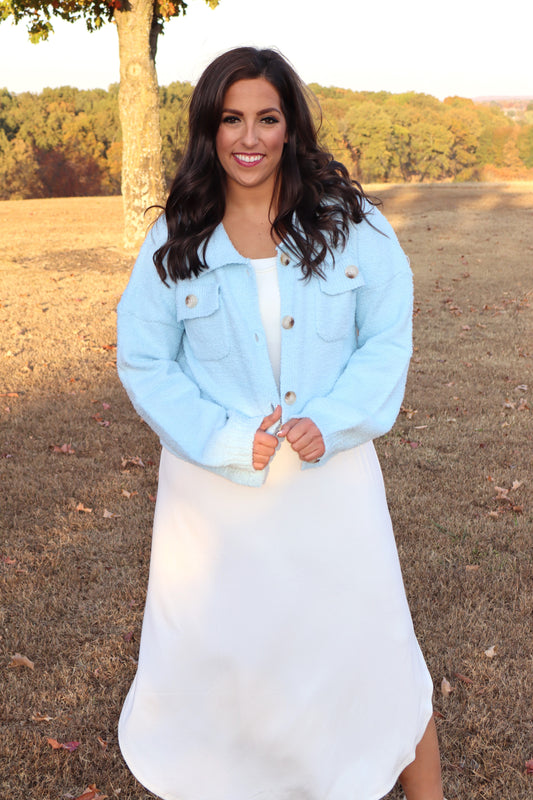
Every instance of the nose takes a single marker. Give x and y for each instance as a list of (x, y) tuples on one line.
[(249, 138)]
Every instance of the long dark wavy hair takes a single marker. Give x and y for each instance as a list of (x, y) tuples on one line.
[(316, 198)]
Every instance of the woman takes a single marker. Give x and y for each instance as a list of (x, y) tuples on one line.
[(265, 335)]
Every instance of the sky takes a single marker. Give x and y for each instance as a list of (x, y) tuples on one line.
[(471, 48)]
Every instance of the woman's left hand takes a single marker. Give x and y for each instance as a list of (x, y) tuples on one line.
[(304, 437)]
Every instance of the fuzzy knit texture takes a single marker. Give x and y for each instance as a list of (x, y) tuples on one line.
[(193, 358)]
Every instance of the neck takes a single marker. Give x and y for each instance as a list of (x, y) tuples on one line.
[(256, 202)]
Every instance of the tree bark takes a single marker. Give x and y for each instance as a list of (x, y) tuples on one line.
[(142, 170)]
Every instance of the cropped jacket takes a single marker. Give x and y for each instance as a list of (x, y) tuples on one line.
[(193, 358)]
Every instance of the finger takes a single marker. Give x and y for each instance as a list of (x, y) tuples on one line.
[(271, 419), (266, 450), (265, 439), (288, 426), (311, 453), (303, 432), (299, 437)]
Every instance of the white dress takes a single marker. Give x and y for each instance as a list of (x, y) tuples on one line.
[(278, 659)]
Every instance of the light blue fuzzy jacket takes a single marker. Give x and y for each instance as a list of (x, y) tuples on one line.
[(194, 361)]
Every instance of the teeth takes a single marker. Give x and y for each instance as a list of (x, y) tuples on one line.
[(250, 159)]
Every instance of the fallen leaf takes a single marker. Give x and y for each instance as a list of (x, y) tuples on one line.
[(109, 514), (127, 494), (472, 567), (446, 687), (41, 718), (463, 678), (516, 484), (84, 509), (106, 406), (502, 493), (438, 715), (70, 746), (152, 497), (491, 652), (54, 744), (101, 421), (91, 793), (128, 637), (9, 561), (529, 767), (102, 743), (135, 461), (522, 405), (65, 449), (21, 661)]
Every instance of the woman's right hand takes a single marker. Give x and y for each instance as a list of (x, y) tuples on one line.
[(265, 443)]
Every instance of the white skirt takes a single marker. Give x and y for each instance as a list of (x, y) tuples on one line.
[(278, 659)]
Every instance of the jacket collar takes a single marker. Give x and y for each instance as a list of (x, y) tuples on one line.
[(220, 251)]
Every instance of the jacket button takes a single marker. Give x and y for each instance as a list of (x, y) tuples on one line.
[(191, 301), (290, 398), (351, 271), (287, 322), (285, 260)]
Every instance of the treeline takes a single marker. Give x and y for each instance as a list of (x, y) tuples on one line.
[(67, 142), (415, 137)]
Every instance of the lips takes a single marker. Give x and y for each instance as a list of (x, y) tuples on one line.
[(248, 159)]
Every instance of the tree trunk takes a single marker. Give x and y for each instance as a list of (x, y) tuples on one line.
[(142, 170)]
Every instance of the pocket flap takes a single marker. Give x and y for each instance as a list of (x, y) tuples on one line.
[(198, 298), (343, 278)]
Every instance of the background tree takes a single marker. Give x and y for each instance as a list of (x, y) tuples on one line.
[(139, 23)]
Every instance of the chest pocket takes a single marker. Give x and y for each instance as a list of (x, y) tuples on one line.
[(335, 302), (198, 306)]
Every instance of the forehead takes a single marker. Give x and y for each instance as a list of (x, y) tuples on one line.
[(252, 93)]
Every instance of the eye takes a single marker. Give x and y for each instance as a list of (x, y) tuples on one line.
[(230, 119), (270, 120)]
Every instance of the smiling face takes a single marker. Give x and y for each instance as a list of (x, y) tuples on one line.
[(251, 135)]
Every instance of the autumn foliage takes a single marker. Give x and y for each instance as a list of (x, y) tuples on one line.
[(67, 142)]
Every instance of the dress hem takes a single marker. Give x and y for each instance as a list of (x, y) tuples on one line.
[(389, 784)]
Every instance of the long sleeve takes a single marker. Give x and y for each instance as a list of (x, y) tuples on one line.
[(149, 339), (365, 399)]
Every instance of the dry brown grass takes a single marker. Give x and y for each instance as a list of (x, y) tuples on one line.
[(73, 582)]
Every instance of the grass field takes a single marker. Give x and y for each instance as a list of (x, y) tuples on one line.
[(79, 476)]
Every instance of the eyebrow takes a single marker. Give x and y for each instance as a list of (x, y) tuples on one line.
[(259, 113)]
